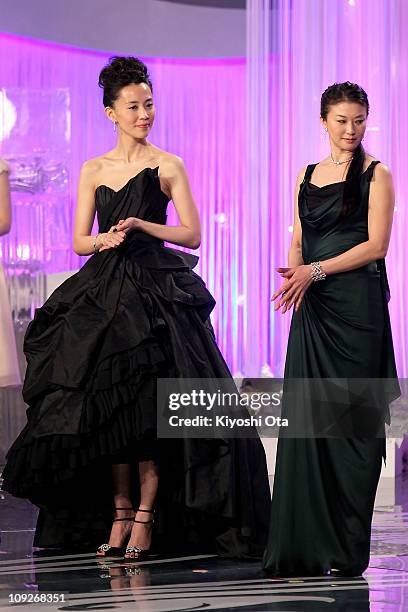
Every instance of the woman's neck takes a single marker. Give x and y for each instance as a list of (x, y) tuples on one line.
[(131, 150)]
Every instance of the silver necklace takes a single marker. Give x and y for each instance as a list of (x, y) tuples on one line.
[(338, 163)]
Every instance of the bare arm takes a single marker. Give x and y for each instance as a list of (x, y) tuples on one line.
[(295, 252), (380, 215), (83, 241), (5, 208), (188, 233)]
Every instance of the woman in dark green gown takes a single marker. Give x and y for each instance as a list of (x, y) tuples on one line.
[(324, 487)]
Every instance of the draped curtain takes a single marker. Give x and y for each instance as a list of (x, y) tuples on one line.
[(315, 43), (207, 115)]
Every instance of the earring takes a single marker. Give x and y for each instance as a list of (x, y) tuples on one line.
[(115, 126)]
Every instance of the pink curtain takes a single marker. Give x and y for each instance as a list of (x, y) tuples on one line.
[(316, 43), (201, 115)]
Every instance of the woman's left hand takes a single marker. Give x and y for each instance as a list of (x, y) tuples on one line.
[(126, 226), (294, 287), (129, 224)]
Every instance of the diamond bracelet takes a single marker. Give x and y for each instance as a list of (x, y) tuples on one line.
[(317, 273), (95, 250)]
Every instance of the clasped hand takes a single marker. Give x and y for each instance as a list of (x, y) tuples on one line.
[(296, 281), (117, 233)]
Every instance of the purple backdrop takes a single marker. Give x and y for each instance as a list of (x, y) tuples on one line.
[(201, 110)]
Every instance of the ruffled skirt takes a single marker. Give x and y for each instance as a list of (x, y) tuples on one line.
[(95, 351)]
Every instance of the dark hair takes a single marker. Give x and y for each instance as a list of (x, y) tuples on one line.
[(348, 92), (119, 72)]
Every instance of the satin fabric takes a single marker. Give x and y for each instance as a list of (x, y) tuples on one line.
[(94, 352), (324, 489)]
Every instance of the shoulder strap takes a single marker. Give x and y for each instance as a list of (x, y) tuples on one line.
[(370, 170), (309, 172), (306, 178)]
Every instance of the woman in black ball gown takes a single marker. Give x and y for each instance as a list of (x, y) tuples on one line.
[(89, 456), (324, 488)]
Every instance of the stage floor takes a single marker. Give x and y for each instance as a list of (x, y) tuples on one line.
[(200, 582)]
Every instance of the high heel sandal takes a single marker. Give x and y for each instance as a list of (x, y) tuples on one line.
[(115, 551), (142, 554)]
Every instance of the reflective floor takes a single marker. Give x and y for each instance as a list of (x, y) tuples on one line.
[(43, 580)]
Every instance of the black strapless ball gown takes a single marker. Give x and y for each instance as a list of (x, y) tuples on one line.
[(94, 352)]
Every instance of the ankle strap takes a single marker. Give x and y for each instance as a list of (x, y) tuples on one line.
[(141, 510), (125, 518)]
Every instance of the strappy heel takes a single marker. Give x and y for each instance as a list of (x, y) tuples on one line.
[(115, 551), (140, 554)]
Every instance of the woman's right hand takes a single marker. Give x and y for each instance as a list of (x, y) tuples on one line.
[(110, 240)]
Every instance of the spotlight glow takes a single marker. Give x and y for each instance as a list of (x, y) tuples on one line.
[(23, 252), (266, 371), (220, 218), (8, 115)]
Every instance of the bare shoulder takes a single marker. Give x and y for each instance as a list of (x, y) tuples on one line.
[(92, 170), (382, 173), (382, 187), (171, 165), (91, 167), (379, 169), (301, 175)]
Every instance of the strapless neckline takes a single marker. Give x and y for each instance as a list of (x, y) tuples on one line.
[(132, 178)]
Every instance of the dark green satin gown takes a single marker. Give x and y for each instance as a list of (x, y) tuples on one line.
[(324, 489)]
